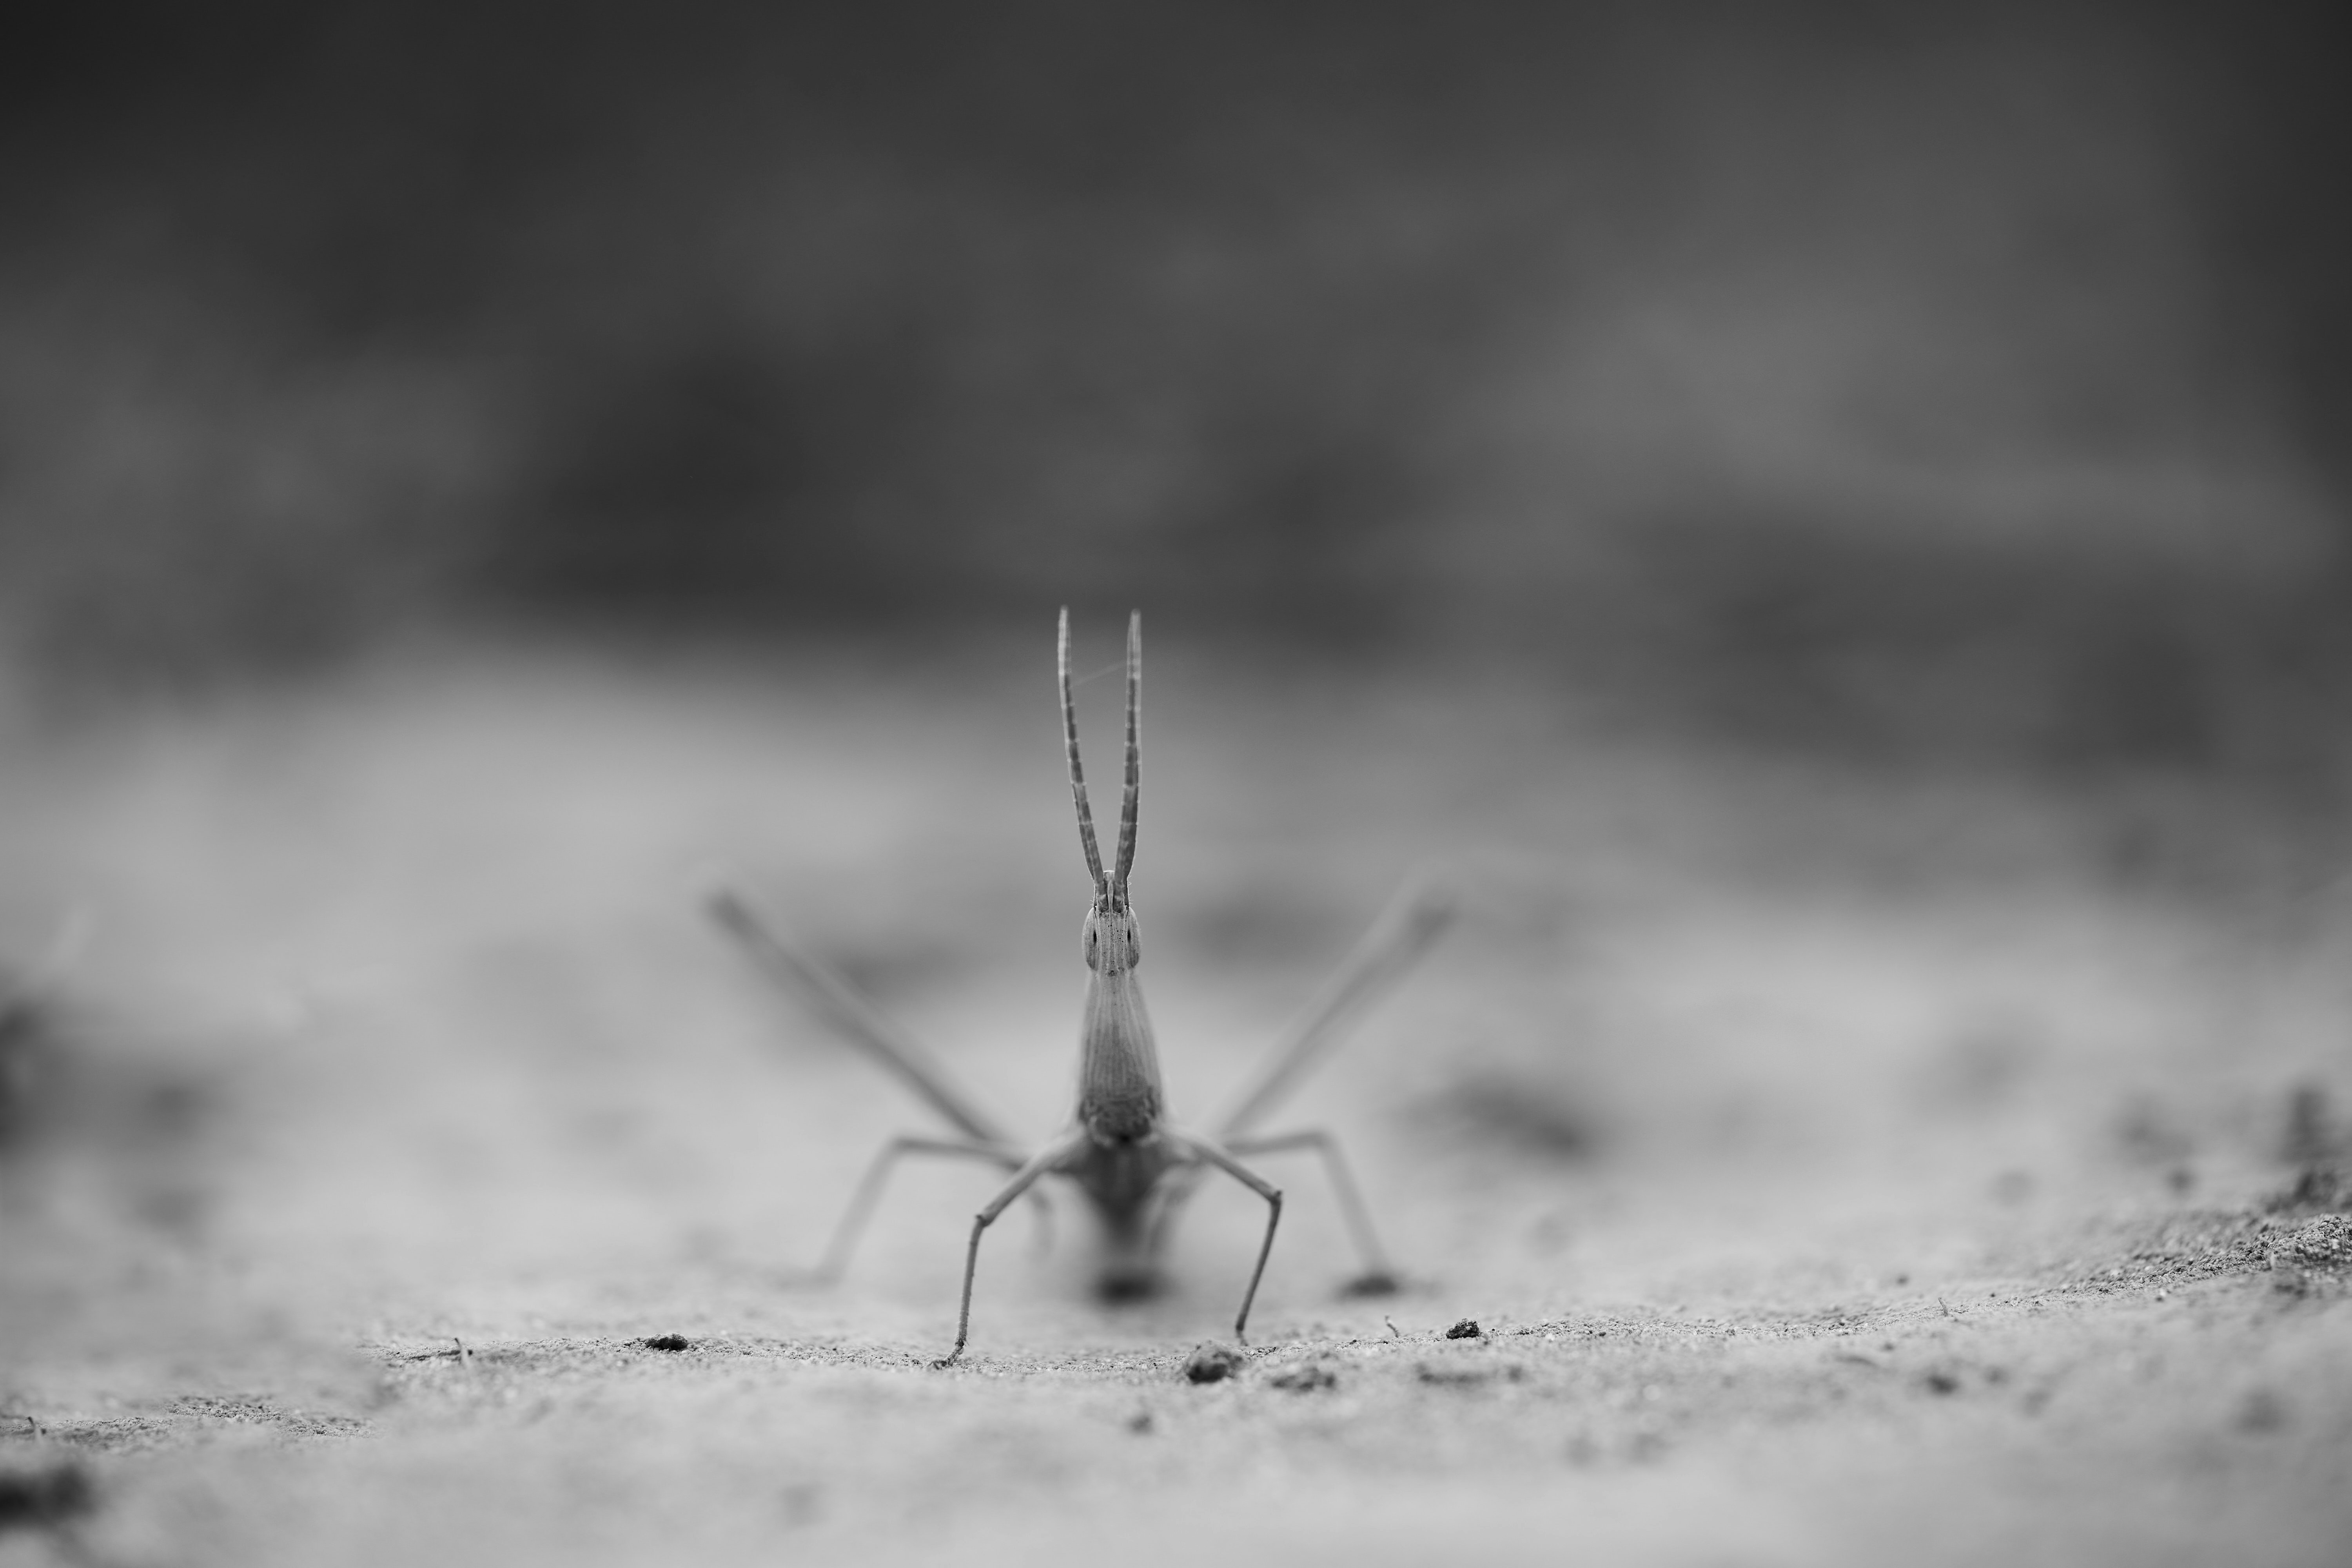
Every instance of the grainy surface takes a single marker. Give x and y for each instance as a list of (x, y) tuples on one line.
[(1839, 1167)]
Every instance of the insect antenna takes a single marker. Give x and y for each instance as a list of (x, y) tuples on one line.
[(1125, 861), (1078, 773)]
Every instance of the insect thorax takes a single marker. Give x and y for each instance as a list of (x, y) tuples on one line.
[(1119, 1066), (1120, 1119), (1121, 1176)]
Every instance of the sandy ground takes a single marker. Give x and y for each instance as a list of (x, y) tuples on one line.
[(1838, 1164)]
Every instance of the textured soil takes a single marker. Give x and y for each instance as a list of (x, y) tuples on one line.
[(1790, 1161)]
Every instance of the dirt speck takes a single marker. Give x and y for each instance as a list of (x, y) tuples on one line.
[(1940, 1383), (2325, 1242), (1306, 1377), (1376, 1283), (2262, 1411), (1140, 1424), (1468, 1328), (45, 1497), (668, 1342), (1213, 1363)]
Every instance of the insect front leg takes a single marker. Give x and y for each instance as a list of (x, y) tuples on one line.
[(1377, 1278), (1053, 1157), (852, 1225), (1212, 1153)]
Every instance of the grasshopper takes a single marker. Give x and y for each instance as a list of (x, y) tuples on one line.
[(1133, 1164)]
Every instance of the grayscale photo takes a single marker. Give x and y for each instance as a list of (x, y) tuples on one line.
[(1155, 783)]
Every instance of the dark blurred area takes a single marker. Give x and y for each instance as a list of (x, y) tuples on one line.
[(1892, 378)]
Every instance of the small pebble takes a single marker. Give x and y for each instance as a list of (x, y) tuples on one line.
[(1468, 1328), (1213, 1363)]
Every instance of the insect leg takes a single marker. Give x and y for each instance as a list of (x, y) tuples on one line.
[(869, 1190), (1415, 917), (1044, 1162), (854, 1018), (1212, 1153), (1377, 1278)]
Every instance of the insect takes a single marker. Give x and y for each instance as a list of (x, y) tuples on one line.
[(1135, 1165)]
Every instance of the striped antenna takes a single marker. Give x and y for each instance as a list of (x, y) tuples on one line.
[(1077, 774), (1125, 861)]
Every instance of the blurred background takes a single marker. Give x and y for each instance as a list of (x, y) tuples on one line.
[(1880, 377)]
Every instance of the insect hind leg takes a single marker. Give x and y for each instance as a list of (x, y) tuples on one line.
[(1378, 1277), (851, 1224)]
